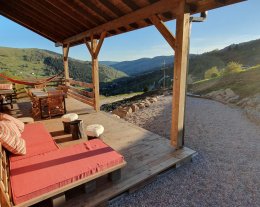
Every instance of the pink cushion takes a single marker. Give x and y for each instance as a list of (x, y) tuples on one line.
[(6, 86), (19, 124), (40, 174), (10, 138), (38, 141)]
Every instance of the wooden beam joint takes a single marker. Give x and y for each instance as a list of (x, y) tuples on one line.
[(162, 28), (94, 50)]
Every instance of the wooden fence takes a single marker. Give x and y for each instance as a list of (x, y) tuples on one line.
[(77, 90)]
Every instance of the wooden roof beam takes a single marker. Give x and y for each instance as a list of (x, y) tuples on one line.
[(162, 28), (112, 7), (148, 11), (39, 30)]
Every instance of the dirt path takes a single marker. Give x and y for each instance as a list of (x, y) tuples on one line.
[(226, 171)]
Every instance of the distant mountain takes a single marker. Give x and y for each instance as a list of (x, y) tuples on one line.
[(27, 63), (247, 53), (144, 77), (108, 63), (143, 65)]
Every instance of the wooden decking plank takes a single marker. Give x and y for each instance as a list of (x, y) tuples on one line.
[(147, 154)]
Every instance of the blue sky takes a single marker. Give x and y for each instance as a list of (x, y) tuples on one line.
[(224, 26)]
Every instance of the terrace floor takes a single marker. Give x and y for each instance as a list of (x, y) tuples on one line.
[(147, 154)]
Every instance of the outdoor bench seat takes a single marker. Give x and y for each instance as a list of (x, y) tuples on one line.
[(47, 171)]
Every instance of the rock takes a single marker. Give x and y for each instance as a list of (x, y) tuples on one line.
[(122, 113), (134, 107), (223, 95), (116, 116), (153, 99), (251, 106), (147, 104), (128, 109), (229, 93), (141, 105)]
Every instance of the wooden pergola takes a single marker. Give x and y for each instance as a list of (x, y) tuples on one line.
[(73, 22)]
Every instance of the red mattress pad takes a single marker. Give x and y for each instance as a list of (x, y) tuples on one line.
[(39, 174)]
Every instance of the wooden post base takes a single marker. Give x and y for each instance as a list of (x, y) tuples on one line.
[(115, 176), (90, 186), (58, 200)]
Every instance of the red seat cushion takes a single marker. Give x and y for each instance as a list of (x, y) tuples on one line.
[(38, 140), (43, 173)]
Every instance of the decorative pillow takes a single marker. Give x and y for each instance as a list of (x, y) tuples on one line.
[(19, 124), (10, 138)]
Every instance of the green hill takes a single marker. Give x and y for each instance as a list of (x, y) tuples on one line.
[(246, 53), (28, 63), (245, 83)]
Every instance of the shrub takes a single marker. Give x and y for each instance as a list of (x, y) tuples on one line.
[(232, 67), (211, 73)]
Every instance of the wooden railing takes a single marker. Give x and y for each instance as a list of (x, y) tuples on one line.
[(77, 90), (5, 188)]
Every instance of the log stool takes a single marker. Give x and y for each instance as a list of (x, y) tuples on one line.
[(94, 131), (76, 129), (67, 119)]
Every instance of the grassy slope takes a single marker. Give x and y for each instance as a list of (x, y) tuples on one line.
[(24, 62), (245, 83)]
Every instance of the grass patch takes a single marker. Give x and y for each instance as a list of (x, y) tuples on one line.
[(244, 83)]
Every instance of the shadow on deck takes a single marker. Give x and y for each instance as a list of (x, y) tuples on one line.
[(147, 154)]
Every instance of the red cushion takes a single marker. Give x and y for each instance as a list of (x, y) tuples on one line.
[(38, 140), (43, 173)]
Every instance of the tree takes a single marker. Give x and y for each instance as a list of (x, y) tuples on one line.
[(211, 73), (232, 67)]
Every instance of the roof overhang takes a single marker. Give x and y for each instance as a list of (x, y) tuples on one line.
[(73, 22)]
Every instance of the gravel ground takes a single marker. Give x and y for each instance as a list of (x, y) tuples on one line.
[(226, 171)]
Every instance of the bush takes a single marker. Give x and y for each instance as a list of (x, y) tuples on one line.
[(232, 67), (211, 73), (145, 89)]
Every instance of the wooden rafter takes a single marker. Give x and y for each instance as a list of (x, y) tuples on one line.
[(148, 11), (16, 17), (162, 28), (112, 7), (70, 14)]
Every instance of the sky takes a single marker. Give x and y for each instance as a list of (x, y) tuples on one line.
[(224, 26)]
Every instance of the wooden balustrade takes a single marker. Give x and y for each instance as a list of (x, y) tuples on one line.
[(75, 91)]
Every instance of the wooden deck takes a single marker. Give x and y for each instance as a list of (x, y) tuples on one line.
[(147, 154)]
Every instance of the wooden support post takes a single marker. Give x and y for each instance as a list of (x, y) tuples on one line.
[(94, 49), (65, 50), (180, 76)]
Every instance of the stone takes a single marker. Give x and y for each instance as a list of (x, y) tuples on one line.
[(147, 104), (141, 105), (120, 112), (134, 107), (229, 93), (128, 109), (116, 116), (153, 99)]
